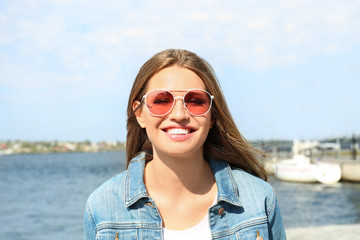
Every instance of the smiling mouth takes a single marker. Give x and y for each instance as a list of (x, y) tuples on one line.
[(178, 131)]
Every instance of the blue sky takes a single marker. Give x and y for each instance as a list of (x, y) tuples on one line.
[(289, 69)]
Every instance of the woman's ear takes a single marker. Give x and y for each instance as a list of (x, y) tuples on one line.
[(138, 113)]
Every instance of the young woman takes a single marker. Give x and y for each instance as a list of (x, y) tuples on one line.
[(190, 174)]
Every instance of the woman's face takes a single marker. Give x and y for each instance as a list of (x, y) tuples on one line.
[(177, 133)]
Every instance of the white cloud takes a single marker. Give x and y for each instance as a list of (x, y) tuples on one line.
[(289, 26), (135, 32), (331, 48), (257, 24), (226, 17), (258, 49), (196, 16)]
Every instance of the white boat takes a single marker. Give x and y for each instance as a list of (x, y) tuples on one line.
[(301, 169), (297, 169), (327, 173)]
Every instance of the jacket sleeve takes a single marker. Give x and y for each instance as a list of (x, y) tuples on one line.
[(89, 224), (276, 227)]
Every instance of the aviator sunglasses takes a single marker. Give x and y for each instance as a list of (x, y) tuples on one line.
[(160, 102)]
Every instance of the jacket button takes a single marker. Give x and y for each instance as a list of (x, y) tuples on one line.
[(221, 211)]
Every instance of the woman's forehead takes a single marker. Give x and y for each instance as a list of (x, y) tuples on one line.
[(176, 78)]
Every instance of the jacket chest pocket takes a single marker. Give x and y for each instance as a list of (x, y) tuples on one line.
[(117, 234), (254, 232)]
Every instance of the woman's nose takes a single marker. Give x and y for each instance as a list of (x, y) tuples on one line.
[(179, 113)]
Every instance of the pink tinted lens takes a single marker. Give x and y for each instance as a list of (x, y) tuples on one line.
[(159, 102), (197, 102)]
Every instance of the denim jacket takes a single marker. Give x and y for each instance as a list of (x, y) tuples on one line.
[(122, 209)]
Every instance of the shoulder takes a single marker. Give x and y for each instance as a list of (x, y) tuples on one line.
[(237, 182), (250, 182), (107, 199), (111, 188), (254, 190)]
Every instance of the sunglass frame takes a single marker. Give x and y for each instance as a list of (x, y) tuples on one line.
[(174, 100)]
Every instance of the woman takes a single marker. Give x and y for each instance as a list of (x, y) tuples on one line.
[(190, 174)]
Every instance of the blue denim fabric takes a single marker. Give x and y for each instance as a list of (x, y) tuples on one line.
[(122, 207)]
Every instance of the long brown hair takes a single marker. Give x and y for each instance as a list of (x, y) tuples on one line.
[(224, 141)]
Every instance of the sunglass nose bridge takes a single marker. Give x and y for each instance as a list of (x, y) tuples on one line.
[(175, 98)]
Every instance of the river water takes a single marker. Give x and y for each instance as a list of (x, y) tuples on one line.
[(43, 196)]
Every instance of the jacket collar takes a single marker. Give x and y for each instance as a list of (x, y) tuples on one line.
[(227, 188), (135, 188), (134, 183)]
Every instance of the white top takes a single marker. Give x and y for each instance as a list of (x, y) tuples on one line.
[(200, 231)]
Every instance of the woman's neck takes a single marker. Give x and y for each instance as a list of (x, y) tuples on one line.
[(178, 176)]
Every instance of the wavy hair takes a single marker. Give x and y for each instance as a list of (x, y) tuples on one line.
[(224, 141)]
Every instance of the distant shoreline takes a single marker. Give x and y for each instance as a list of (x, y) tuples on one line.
[(39, 147), (57, 146)]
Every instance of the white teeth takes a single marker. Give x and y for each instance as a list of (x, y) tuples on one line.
[(178, 131)]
